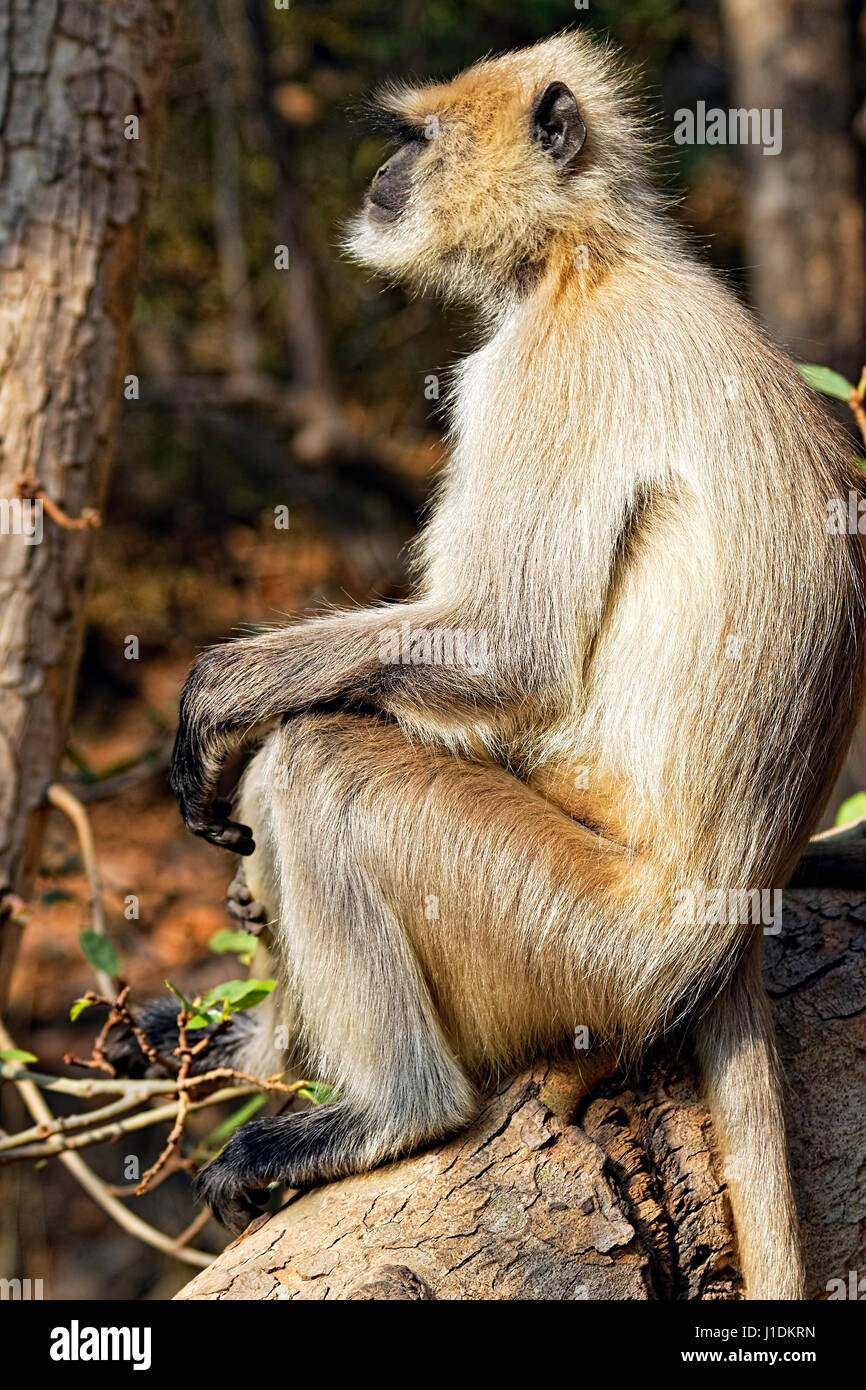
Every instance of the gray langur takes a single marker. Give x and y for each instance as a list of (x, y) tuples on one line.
[(625, 682)]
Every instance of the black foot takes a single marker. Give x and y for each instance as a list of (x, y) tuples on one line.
[(158, 1021), (300, 1150)]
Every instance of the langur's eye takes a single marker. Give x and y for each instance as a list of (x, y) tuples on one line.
[(397, 129)]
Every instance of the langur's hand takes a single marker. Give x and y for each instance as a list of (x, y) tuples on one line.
[(202, 742), (211, 822)]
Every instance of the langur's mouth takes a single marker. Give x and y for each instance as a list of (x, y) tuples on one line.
[(378, 212)]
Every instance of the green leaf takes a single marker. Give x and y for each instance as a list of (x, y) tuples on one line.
[(224, 1000), (15, 1054), (318, 1092), (852, 809), (825, 380), (78, 1007), (182, 997), (241, 942), (99, 951), (238, 994), (206, 1018), (228, 989), (251, 998)]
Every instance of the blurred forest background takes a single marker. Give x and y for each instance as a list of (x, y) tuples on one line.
[(262, 388)]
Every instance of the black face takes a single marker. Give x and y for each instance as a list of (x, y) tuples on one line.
[(389, 190)]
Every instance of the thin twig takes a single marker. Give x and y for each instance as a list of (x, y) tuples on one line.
[(119, 1013), (66, 1123), (183, 1103), (194, 1226), (31, 487), (855, 401), (86, 1087), (94, 1185), (62, 798), (62, 1142), (177, 1164)]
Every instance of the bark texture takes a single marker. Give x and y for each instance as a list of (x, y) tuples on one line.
[(620, 1199), (73, 192)]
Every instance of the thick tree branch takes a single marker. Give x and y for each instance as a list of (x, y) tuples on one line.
[(620, 1199)]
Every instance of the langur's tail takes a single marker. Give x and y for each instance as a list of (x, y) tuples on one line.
[(742, 1077)]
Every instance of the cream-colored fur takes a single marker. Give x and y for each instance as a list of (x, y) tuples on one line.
[(634, 513)]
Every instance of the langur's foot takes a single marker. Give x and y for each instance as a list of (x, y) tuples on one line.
[(241, 906), (299, 1150), (157, 1020)]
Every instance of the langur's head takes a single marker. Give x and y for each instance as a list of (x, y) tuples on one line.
[(521, 158)]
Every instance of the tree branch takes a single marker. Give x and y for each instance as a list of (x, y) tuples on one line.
[(615, 1195)]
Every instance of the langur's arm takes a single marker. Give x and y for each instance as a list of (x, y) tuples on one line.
[(236, 690)]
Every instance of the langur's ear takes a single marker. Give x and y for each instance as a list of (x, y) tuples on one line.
[(557, 124)]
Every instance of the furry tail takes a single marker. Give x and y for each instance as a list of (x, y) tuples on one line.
[(737, 1052)]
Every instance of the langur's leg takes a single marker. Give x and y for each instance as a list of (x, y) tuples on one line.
[(368, 1024), (272, 1043), (157, 1019), (437, 914), (260, 1041), (427, 906)]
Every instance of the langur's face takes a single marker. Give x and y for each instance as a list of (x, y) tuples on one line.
[(487, 171)]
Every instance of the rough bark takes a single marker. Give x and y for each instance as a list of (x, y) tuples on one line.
[(804, 221), (622, 1199), (73, 193)]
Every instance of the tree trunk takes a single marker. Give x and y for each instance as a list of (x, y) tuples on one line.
[(804, 221), (227, 194), (625, 1203), (74, 174), (305, 332)]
